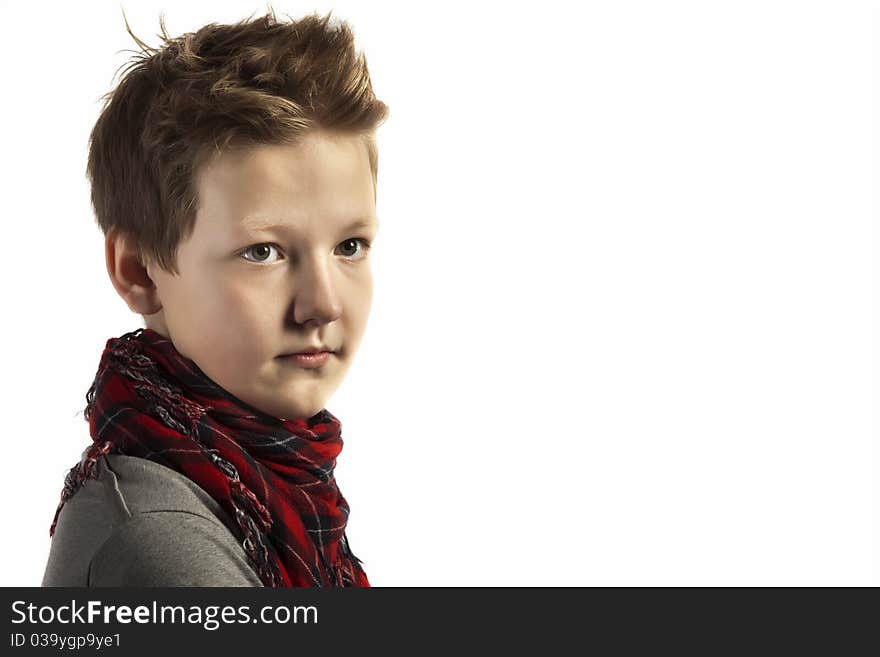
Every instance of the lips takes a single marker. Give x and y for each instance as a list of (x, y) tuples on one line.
[(308, 360)]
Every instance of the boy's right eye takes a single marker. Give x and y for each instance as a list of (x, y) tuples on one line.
[(262, 251)]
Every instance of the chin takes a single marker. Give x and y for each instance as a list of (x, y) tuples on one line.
[(299, 413)]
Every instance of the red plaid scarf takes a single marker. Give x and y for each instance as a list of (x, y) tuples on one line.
[(273, 476)]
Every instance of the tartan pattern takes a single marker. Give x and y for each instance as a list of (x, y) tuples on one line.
[(273, 476)]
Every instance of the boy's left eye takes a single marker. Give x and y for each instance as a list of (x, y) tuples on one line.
[(263, 251)]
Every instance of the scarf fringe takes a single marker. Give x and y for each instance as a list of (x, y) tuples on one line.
[(77, 476)]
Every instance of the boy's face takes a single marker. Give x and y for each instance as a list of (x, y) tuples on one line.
[(248, 294)]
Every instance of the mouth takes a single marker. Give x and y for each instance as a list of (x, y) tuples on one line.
[(307, 359)]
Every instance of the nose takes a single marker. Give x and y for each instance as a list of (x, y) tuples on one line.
[(315, 299)]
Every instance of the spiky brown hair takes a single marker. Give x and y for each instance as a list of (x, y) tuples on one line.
[(258, 81)]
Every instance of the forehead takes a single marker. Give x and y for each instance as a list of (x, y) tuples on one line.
[(325, 177)]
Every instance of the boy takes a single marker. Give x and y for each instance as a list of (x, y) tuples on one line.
[(233, 174)]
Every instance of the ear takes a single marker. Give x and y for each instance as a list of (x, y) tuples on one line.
[(129, 276)]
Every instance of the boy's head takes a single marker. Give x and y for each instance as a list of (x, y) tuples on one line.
[(234, 175)]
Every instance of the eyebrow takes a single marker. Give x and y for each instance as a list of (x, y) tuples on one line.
[(259, 223)]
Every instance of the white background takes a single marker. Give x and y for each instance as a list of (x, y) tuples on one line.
[(622, 329)]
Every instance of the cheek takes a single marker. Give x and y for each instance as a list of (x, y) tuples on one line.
[(365, 299), (232, 321), (245, 315), (358, 311)]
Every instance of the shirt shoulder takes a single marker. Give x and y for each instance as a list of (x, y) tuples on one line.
[(131, 513), (171, 548)]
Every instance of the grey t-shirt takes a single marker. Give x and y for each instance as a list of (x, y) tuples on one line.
[(140, 523)]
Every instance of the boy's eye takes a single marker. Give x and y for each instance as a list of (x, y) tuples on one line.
[(261, 252), (355, 240)]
